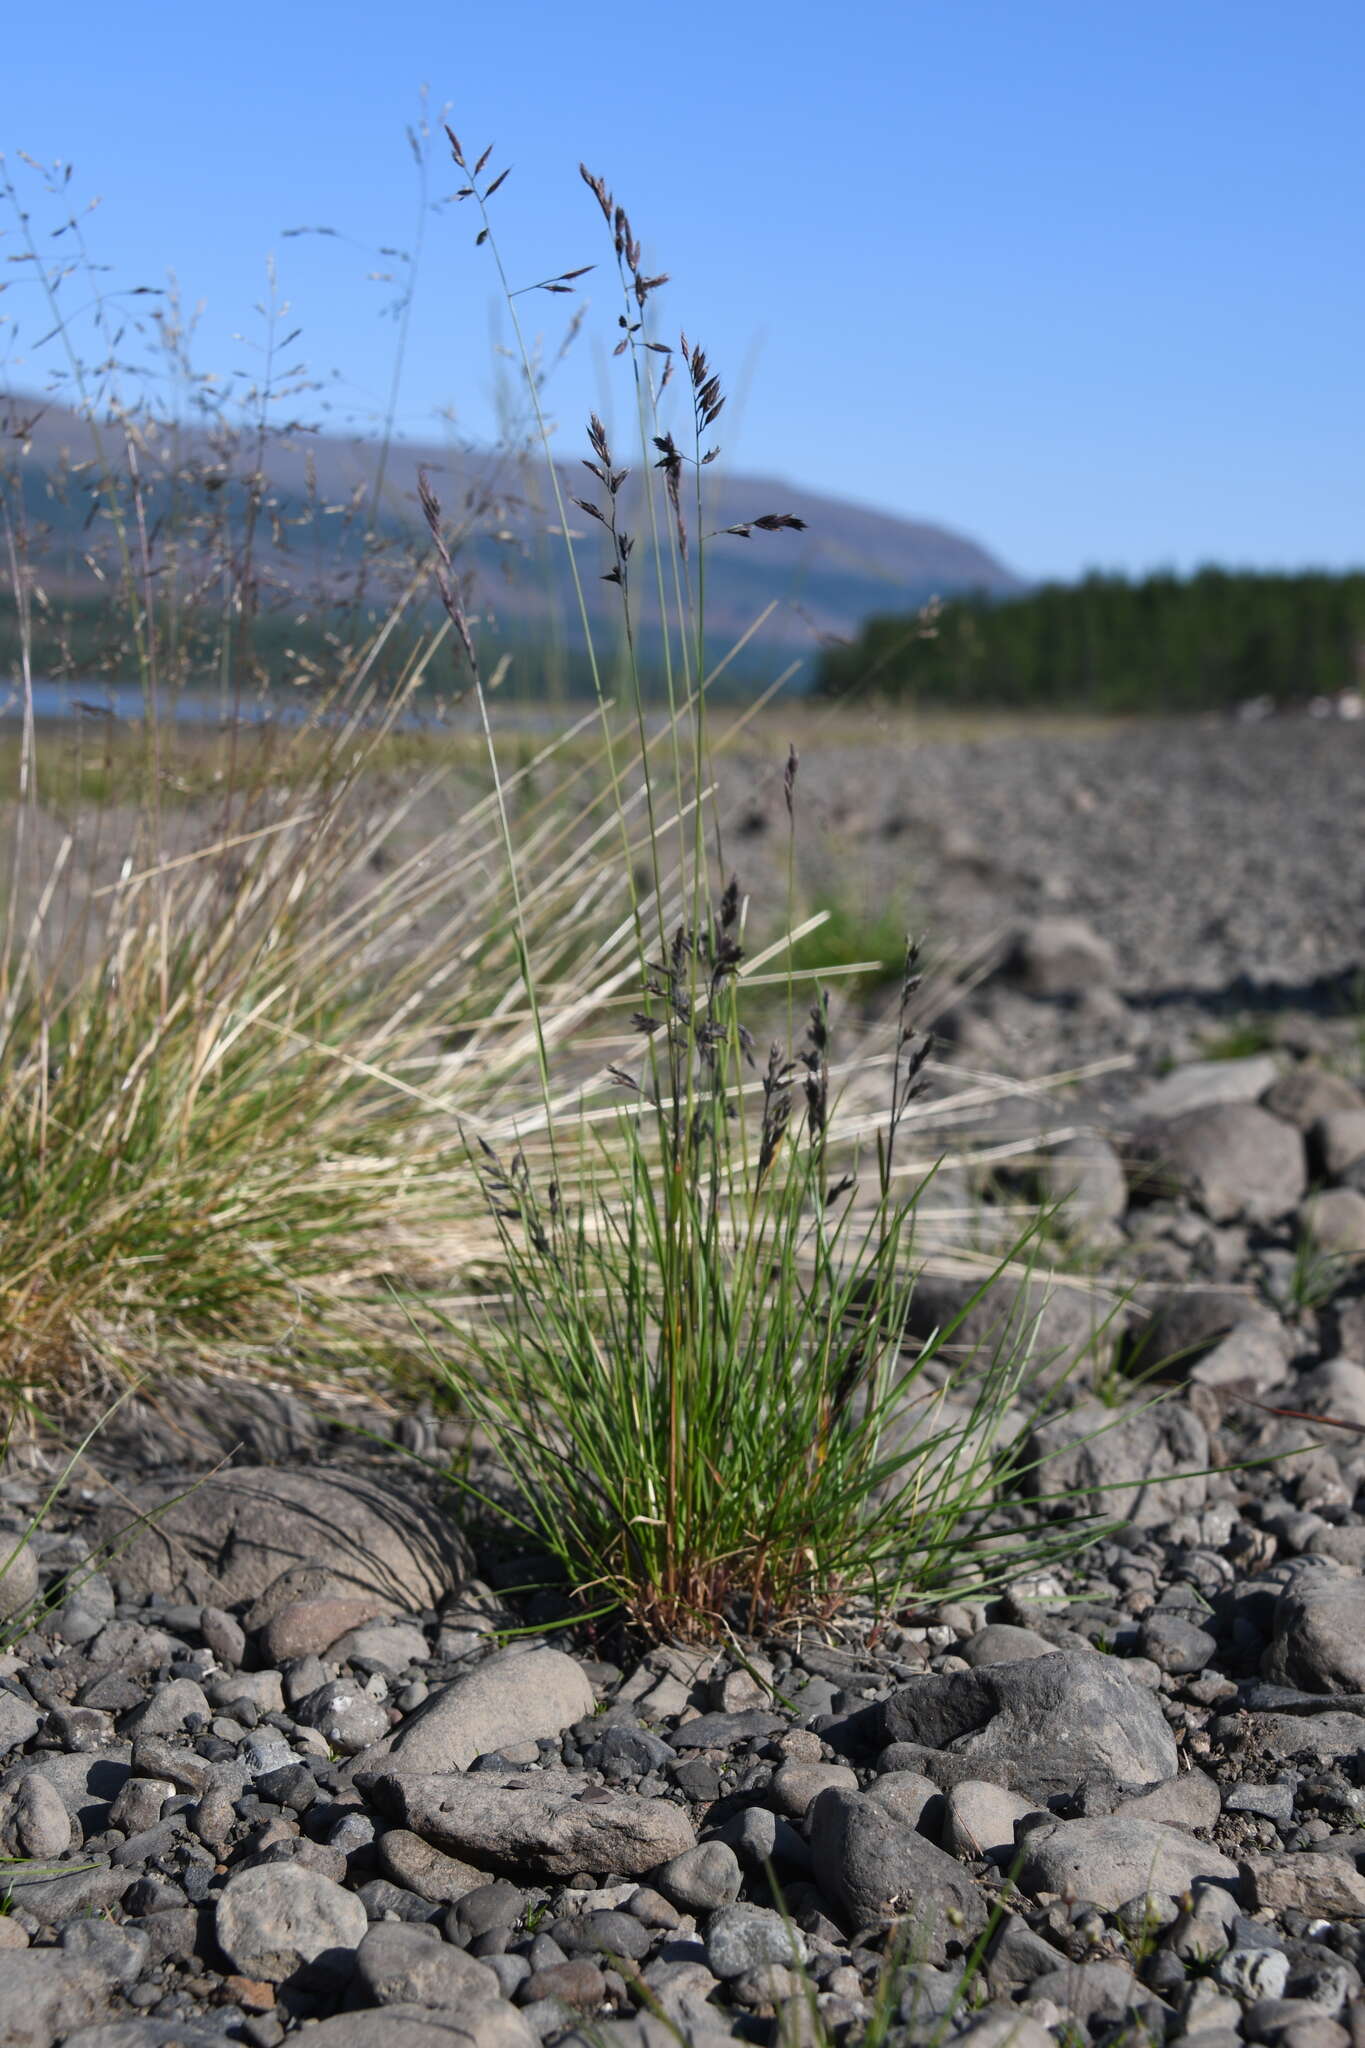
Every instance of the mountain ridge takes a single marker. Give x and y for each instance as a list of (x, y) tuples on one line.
[(851, 562)]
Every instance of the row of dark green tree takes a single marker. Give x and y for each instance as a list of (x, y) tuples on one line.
[(1164, 643)]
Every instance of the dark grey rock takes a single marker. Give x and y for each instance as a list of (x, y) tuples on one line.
[(741, 1938), (434, 1876), (1319, 1634), (727, 1731), (168, 1709), (347, 1717), (118, 1953), (1053, 1322), (19, 1720), (635, 1748), (1180, 1325), (1144, 1465), (871, 1866), (700, 1879), (615, 1935), (1275, 1801), (1234, 1161), (1058, 1720), (404, 1965), (1175, 1645), (488, 1908)]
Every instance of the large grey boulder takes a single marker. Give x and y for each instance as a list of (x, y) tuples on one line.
[(45, 1994), (1044, 1322), (1056, 1721), (273, 1919), (1319, 1634), (515, 1696), (1141, 1465), (1173, 1328), (1234, 1160), (552, 1823), (873, 1866), (240, 1531), (1117, 1858)]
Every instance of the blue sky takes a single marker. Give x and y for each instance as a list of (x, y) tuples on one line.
[(1082, 280)]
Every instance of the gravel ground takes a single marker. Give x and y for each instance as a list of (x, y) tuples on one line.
[(1223, 863), (267, 1770)]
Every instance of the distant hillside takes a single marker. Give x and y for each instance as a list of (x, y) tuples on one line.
[(315, 519)]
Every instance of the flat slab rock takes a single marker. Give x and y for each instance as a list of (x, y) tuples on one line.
[(1057, 1720), (553, 1825), (1117, 1858), (514, 1696), (417, 2027)]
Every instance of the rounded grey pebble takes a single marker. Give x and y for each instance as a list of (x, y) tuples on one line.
[(700, 1878), (743, 1938)]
